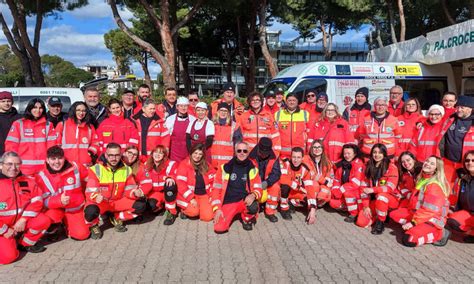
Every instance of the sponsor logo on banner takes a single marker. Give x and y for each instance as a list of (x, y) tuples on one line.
[(343, 70), (407, 70), (362, 70), (383, 70)]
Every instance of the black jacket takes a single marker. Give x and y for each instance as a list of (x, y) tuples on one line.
[(6, 121)]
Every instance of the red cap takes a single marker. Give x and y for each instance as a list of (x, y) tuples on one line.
[(6, 95)]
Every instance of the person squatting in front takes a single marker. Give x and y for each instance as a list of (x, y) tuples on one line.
[(424, 219), (297, 186), (195, 178), (157, 179), (20, 211), (62, 185), (378, 191), (111, 187), (236, 190)]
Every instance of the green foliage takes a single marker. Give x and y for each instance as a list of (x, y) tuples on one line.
[(61, 73), (10, 68)]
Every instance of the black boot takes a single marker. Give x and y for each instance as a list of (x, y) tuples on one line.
[(469, 239), (272, 218), (247, 226), (169, 219), (350, 219), (444, 239), (286, 215), (378, 228), (36, 248)]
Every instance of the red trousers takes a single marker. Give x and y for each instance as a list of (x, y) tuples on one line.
[(346, 196), (272, 199), (464, 219), (160, 202), (34, 230), (74, 221), (324, 193), (230, 211), (425, 233), (122, 209), (365, 221), (203, 208)]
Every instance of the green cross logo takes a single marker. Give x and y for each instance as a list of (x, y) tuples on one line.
[(3, 205), (322, 69), (426, 48)]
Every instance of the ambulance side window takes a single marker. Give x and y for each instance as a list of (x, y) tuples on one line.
[(428, 92), (23, 102), (319, 84)]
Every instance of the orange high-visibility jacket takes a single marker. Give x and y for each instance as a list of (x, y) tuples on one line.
[(257, 125), (370, 132), (299, 180), (356, 176), (119, 130), (386, 184), (158, 133), (31, 139), (222, 149), (407, 122), (153, 181), (426, 141)]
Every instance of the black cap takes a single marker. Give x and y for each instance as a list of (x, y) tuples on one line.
[(54, 101), (321, 95), (364, 91), (291, 95), (466, 101), (279, 90), (270, 94), (311, 91), (223, 105), (265, 145), (128, 91), (229, 86)]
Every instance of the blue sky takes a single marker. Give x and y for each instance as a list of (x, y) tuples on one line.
[(77, 35)]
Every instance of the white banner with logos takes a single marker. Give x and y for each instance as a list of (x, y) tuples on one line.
[(448, 44)]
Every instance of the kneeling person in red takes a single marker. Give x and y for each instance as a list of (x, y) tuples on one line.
[(237, 187), (112, 188), (297, 186), (20, 207), (60, 183)]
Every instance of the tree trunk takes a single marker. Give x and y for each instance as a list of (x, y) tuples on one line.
[(168, 45), (450, 19), (184, 73), (391, 18), (402, 20), (377, 31), (250, 85), (243, 62), (146, 72), (262, 34)]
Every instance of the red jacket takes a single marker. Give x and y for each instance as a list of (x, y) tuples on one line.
[(153, 181), (386, 184), (272, 109), (429, 204), (119, 130), (112, 185), (158, 134), (396, 111), (406, 185), (222, 149), (31, 139), (355, 117), (77, 141), (220, 186), (70, 182), (186, 179), (334, 135), (370, 132), (426, 141), (299, 180), (356, 176), (407, 123), (19, 197)]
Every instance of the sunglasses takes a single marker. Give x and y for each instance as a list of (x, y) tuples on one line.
[(242, 151), (469, 161), (193, 100), (310, 96)]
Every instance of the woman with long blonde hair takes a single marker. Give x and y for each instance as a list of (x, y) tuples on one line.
[(425, 217), (333, 130)]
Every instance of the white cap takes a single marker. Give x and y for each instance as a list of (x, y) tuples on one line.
[(436, 107), (202, 105), (182, 101)]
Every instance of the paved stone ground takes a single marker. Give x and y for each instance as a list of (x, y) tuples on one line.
[(288, 251)]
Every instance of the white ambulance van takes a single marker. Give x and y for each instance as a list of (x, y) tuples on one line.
[(340, 80), (21, 96)]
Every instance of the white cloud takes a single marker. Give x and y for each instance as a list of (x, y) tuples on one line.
[(99, 9)]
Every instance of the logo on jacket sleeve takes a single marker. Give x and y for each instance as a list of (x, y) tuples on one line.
[(85, 140), (3, 205), (70, 180)]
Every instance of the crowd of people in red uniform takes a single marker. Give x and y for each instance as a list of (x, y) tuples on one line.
[(73, 172)]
